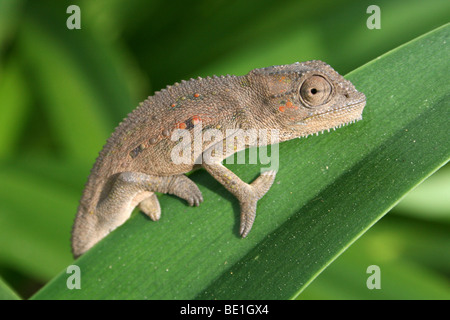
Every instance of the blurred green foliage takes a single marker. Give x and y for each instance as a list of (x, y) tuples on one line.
[(63, 91)]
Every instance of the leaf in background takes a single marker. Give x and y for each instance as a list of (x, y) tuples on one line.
[(61, 93), (235, 36), (6, 293), (78, 124), (328, 192), (9, 13), (411, 267), (15, 106), (79, 80), (37, 209), (430, 201)]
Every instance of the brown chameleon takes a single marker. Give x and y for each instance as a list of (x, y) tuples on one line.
[(297, 100)]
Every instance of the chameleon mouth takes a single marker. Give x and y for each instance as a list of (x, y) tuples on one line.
[(333, 119), (343, 124), (338, 112)]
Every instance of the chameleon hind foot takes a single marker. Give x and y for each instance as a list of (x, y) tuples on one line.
[(185, 188), (150, 206)]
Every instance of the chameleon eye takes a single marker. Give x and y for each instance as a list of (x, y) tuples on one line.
[(315, 91)]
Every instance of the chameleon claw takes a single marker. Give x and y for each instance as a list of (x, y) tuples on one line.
[(195, 199), (248, 214)]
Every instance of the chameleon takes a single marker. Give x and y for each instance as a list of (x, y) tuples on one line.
[(296, 99)]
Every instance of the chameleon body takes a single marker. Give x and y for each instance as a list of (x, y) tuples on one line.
[(297, 100)]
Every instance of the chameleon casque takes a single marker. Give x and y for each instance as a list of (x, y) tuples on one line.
[(297, 100)]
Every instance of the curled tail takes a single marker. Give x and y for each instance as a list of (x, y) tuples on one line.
[(85, 231)]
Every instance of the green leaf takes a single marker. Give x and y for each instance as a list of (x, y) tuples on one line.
[(9, 13), (81, 81), (69, 100), (329, 190), (6, 293), (411, 267), (34, 234), (430, 201), (15, 106)]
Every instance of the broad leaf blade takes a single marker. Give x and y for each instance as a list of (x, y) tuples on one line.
[(328, 192)]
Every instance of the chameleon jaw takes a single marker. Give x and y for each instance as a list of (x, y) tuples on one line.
[(338, 115)]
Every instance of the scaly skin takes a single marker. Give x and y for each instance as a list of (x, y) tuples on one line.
[(297, 100)]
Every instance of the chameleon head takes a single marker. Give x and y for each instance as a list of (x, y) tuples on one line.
[(309, 97)]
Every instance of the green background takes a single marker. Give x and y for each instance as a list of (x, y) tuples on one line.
[(63, 91)]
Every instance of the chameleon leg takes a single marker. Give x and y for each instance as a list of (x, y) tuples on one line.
[(128, 190), (180, 185), (134, 188), (247, 194)]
